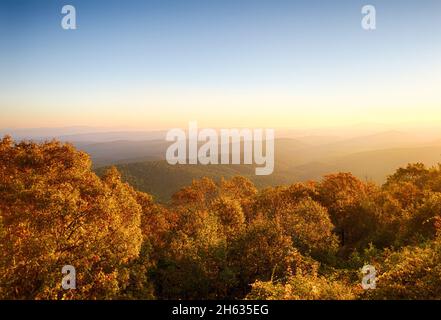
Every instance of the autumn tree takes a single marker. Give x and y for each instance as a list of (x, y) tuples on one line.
[(339, 193), (55, 211), (261, 252), (303, 287), (411, 273), (230, 214), (310, 228), (425, 221)]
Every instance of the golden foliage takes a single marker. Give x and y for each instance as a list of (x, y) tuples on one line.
[(223, 240)]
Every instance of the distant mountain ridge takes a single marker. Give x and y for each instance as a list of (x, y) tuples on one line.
[(140, 156), (162, 180)]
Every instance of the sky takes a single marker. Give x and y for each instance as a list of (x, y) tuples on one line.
[(223, 63)]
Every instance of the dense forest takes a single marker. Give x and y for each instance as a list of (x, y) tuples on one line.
[(213, 240)]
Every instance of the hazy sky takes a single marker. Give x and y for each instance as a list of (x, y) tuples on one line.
[(224, 63)]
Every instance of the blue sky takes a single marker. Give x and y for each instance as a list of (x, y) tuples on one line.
[(244, 62)]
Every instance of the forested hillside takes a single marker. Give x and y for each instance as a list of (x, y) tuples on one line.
[(212, 240), (163, 180)]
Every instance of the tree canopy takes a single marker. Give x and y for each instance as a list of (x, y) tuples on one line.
[(213, 240)]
